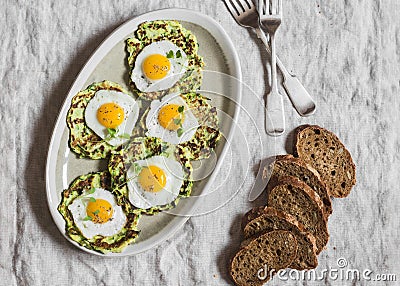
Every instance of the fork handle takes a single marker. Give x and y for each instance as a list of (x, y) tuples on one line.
[(298, 95), (274, 117)]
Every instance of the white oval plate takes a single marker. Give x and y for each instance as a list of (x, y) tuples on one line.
[(221, 81)]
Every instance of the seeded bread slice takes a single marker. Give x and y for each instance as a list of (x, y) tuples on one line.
[(297, 199), (287, 165), (251, 214), (323, 150), (273, 250), (271, 220)]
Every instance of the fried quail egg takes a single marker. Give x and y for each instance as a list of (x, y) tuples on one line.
[(112, 115), (159, 66), (97, 213), (155, 181), (171, 120)]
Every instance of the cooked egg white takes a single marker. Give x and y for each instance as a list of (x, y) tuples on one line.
[(171, 120), (159, 66), (112, 110), (97, 213), (155, 181)]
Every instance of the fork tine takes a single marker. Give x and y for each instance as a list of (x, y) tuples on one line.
[(261, 7), (247, 4), (273, 7), (276, 7), (240, 4), (231, 9), (250, 3), (280, 9), (270, 7), (239, 8)]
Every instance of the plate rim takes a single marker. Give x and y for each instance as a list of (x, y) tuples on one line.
[(179, 14)]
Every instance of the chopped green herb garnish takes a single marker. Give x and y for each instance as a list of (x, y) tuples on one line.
[(181, 108), (180, 132), (91, 199), (170, 54), (178, 54), (137, 167), (87, 218), (112, 132), (92, 190), (177, 121), (96, 212)]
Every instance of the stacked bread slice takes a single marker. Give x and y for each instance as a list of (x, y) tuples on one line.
[(323, 151), (299, 203)]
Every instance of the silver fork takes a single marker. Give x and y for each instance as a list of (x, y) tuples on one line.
[(246, 15), (270, 12)]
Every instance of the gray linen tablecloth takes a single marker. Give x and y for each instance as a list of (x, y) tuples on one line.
[(346, 53)]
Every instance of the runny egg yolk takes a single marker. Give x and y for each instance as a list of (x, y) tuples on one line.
[(152, 179), (110, 115), (99, 210), (171, 116), (156, 67)]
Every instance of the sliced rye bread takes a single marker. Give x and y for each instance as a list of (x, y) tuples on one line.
[(252, 214), (287, 165), (324, 151), (271, 220), (273, 250), (296, 198)]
